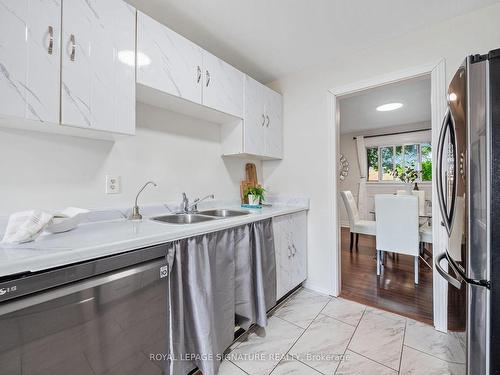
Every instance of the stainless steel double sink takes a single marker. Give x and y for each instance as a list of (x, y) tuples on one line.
[(199, 217)]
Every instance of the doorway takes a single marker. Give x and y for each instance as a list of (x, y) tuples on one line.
[(386, 131), (434, 291)]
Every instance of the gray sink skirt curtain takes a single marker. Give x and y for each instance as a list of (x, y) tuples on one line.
[(217, 280)]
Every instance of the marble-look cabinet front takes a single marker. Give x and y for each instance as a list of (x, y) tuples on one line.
[(263, 127), (30, 53), (290, 241), (172, 64), (69, 62), (167, 61), (77, 63), (98, 65)]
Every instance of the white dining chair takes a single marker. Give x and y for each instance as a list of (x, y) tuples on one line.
[(397, 227), (425, 232), (420, 194), (356, 225)]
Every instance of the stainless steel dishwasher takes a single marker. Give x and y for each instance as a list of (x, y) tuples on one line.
[(105, 316)]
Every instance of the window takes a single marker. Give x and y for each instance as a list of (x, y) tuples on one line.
[(372, 154), (384, 160)]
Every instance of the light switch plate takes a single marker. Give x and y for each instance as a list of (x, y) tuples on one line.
[(113, 184)]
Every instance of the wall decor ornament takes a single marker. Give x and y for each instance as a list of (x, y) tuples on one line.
[(344, 168)]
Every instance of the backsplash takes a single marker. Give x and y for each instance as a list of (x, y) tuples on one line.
[(180, 153)]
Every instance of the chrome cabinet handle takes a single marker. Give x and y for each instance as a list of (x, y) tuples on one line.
[(50, 49), (208, 78), (199, 74), (289, 252), (294, 250), (73, 47), (268, 121), (263, 120)]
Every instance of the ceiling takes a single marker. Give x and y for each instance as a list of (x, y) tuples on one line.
[(268, 39), (358, 111)]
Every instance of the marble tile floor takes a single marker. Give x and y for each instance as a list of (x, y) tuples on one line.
[(314, 334)]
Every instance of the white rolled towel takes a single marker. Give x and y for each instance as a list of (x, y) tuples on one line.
[(26, 226)]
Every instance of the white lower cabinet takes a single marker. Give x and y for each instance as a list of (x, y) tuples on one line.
[(290, 239)]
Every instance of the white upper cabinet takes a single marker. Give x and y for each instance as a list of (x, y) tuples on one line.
[(274, 124), (223, 86), (263, 126), (29, 59), (255, 118), (170, 63), (98, 65), (167, 61)]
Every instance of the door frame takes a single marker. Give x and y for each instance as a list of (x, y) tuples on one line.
[(437, 72)]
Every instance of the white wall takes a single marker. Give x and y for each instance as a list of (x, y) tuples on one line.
[(179, 153), (304, 167), (349, 150)]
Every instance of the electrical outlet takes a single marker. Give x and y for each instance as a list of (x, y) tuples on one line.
[(113, 184)]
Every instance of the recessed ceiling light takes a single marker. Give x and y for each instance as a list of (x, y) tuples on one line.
[(389, 107)]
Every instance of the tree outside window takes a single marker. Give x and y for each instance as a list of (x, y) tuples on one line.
[(372, 155), (384, 160)]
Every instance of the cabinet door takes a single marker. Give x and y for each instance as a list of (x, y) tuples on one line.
[(283, 256), (29, 59), (298, 245), (167, 61), (224, 86), (274, 124), (255, 120), (98, 65)]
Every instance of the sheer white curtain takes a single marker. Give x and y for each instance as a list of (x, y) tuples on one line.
[(363, 169)]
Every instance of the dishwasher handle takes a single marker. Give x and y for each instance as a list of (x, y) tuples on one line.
[(76, 287)]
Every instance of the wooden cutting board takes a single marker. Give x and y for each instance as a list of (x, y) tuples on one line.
[(251, 173)]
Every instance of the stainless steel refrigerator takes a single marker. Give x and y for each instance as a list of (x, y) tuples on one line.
[(468, 180)]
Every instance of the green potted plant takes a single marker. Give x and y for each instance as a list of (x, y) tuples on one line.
[(255, 195), (408, 175)]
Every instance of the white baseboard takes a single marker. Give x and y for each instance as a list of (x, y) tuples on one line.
[(316, 288)]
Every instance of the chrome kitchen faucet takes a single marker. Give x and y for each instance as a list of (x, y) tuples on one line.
[(136, 215), (187, 208)]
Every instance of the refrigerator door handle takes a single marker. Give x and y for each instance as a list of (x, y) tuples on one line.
[(460, 272), (447, 218), (455, 282)]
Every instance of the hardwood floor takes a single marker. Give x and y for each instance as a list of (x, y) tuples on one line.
[(394, 290)]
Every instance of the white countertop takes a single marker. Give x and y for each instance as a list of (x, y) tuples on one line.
[(103, 238)]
